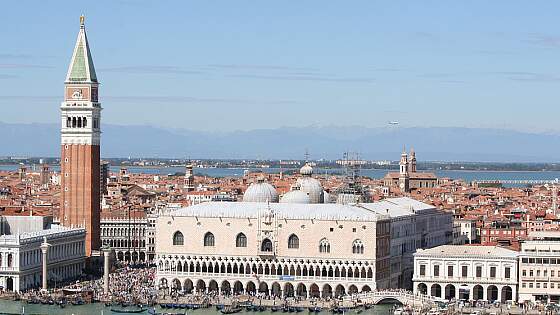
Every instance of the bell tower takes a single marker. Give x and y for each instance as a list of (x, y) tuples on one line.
[(404, 178), (80, 139)]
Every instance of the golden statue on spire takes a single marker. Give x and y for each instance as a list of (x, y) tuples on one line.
[(82, 19)]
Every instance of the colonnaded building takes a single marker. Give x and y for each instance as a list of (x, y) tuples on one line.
[(24, 243), (466, 272), (286, 249)]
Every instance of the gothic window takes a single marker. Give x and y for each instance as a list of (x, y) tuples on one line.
[(79, 122), (293, 241), (266, 245), (73, 122), (68, 122), (357, 247), (84, 122), (208, 239), (10, 260), (241, 240), (178, 238), (324, 246)]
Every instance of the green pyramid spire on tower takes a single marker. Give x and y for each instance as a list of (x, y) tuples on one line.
[(81, 67)]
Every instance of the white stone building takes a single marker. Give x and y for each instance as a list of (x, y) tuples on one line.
[(21, 257), (286, 249), (467, 272), (127, 237), (464, 231), (539, 267), (413, 225)]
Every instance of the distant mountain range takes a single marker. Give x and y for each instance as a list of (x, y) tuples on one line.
[(430, 143)]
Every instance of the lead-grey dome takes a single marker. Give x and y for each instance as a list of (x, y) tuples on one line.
[(306, 170), (261, 191), (309, 185), (296, 196), (312, 187)]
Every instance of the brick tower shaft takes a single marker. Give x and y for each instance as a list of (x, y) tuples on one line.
[(80, 140)]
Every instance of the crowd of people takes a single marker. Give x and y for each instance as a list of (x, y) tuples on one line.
[(130, 285)]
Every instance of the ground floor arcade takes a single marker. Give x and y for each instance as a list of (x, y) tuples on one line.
[(463, 291), (279, 288), (32, 278)]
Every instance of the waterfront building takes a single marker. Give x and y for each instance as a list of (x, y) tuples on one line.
[(80, 140), (467, 272), (414, 225), (539, 265), (407, 178), (21, 257), (288, 249)]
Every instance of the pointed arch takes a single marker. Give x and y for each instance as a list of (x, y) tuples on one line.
[(357, 247), (293, 241), (178, 238), (241, 240), (209, 240), (324, 246)]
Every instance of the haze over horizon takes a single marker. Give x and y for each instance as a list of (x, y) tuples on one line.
[(248, 66)]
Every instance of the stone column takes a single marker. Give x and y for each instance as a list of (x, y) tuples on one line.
[(44, 250), (106, 254)]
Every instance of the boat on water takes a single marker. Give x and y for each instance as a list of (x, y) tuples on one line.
[(152, 311), (339, 310), (314, 309), (275, 309), (405, 311), (129, 310), (231, 310)]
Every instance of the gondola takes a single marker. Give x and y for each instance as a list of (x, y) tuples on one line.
[(275, 309), (314, 309)]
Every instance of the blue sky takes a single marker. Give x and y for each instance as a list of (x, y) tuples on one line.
[(229, 65)]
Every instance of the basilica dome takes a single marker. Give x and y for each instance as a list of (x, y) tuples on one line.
[(261, 191), (306, 170), (310, 185), (295, 196)]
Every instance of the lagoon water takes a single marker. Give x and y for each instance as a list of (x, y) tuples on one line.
[(373, 173), (15, 307)]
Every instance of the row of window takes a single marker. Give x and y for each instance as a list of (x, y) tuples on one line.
[(465, 271), (122, 231), (80, 122), (541, 261), (266, 246), (538, 285), (538, 273)]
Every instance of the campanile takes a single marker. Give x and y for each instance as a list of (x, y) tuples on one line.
[(80, 138)]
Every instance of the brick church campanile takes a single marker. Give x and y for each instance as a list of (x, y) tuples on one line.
[(80, 140)]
